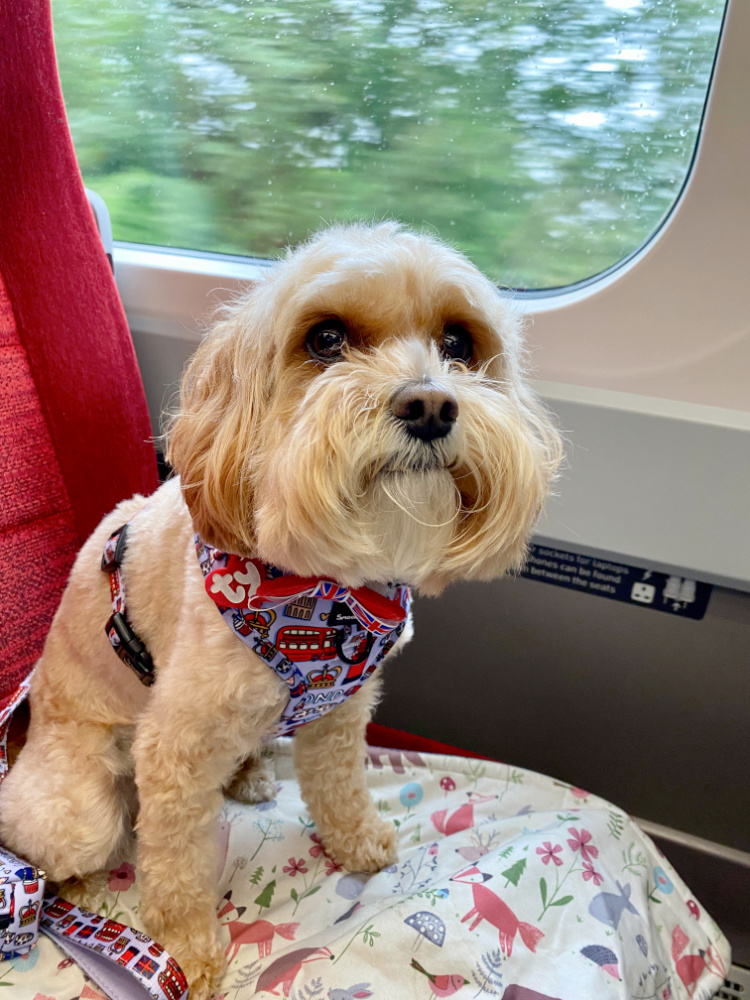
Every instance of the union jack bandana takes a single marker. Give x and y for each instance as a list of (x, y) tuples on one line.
[(324, 640)]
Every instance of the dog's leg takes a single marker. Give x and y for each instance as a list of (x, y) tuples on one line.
[(186, 749), (89, 890), (329, 758), (254, 781), (62, 806)]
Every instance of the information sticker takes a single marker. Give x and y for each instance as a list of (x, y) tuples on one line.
[(675, 595)]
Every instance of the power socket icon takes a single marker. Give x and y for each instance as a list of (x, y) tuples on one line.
[(644, 593)]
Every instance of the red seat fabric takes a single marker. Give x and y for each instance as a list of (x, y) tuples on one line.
[(38, 538), (397, 739), (75, 435)]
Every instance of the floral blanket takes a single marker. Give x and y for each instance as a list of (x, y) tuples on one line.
[(509, 884)]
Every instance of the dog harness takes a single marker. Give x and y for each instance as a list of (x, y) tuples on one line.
[(128, 646), (322, 639)]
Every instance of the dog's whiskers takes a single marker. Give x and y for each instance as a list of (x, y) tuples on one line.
[(412, 515)]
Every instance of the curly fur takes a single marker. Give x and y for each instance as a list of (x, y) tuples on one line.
[(304, 465)]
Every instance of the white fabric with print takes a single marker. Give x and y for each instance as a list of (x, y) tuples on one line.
[(508, 884)]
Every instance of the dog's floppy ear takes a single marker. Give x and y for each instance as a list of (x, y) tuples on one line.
[(212, 438)]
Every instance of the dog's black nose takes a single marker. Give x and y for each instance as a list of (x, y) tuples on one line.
[(428, 410)]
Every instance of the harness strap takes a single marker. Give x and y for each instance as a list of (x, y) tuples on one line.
[(126, 643)]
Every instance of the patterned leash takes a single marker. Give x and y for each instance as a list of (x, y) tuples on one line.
[(127, 964)]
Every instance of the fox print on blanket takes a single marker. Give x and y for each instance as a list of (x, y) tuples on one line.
[(489, 907)]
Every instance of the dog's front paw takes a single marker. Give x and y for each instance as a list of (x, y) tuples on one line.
[(204, 977), (194, 944), (369, 847)]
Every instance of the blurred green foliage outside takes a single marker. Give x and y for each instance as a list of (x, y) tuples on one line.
[(547, 140)]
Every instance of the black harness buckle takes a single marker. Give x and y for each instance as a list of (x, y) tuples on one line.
[(132, 649)]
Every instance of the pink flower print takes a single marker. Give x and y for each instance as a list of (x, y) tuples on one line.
[(121, 878), (332, 867), (317, 848), (580, 842), (550, 853), (295, 866), (589, 873)]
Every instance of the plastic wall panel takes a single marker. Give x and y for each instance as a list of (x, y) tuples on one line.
[(647, 710)]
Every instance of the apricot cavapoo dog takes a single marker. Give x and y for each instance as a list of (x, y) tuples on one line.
[(356, 425)]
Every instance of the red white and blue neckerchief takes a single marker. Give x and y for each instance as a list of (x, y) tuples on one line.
[(324, 640)]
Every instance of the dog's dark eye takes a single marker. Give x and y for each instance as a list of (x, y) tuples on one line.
[(326, 340), (457, 343)]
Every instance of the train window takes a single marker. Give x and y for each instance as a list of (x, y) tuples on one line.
[(549, 141)]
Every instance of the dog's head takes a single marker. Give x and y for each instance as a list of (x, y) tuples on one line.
[(362, 413)]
